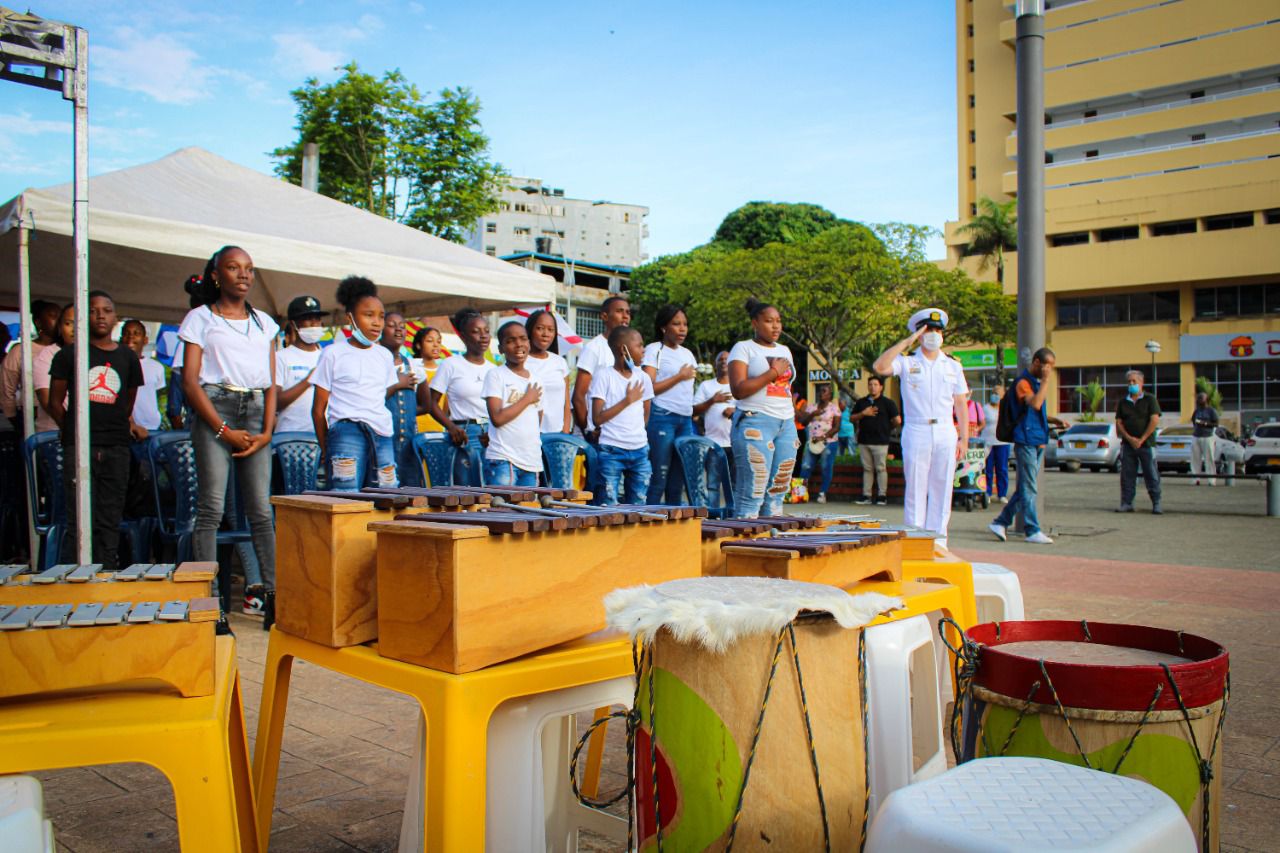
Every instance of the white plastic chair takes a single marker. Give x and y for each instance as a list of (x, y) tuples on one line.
[(998, 595), (904, 710), (530, 803), (1001, 805), (23, 828)]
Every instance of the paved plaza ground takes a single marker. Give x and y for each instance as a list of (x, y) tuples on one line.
[(1210, 565)]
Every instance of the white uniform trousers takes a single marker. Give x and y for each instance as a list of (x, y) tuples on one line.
[(929, 467)]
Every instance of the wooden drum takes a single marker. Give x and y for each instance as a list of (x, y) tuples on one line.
[(1143, 702)]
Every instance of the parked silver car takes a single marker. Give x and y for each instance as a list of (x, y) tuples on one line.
[(1093, 445), (1262, 450), (1173, 449)]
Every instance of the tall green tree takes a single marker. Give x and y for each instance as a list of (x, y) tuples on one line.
[(385, 149), (992, 232), (759, 223), (979, 311)]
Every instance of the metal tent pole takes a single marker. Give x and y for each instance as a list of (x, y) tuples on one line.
[(80, 223), (28, 371)]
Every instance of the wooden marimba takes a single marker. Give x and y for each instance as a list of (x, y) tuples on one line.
[(459, 591), (836, 558), (715, 532), (73, 628)]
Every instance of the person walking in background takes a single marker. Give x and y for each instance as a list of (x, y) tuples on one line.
[(461, 378), (977, 418), (875, 416), (620, 400), (550, 369), (402, 402), (847, 433), (764, 426), (1137, 418), (1204, 452), (427, 344), (997, 467), (820, 448), (514, 400), (714, 404), (936, 432), (295, 364), (114, 377), (671, 368), (1030, 436)]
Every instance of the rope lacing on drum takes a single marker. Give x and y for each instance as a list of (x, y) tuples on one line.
[(1205, 764), (866, 737), (1084, 626), (1013, 730), (1053, 691), (965, 659)]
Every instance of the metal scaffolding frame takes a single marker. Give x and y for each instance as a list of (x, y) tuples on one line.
[(52, 55)]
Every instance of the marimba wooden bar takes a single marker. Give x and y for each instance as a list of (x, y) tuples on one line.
[(839, 559), (71, 584)]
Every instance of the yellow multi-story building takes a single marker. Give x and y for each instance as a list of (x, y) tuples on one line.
[(1162, 179)]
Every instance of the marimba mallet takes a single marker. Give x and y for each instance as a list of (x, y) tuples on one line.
[(547, 501)]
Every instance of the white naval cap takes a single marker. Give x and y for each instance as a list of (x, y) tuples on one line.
[(935, 317)]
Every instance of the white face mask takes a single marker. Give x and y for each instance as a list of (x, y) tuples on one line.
[(931, 341), (311, 334)]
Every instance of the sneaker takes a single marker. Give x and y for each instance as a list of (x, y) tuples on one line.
[(254, 601), (1000, 531), (1156, 510), (882, 501), (863, 501), (1125, 508), (822, 498), (1038, 538), (1005, 499)]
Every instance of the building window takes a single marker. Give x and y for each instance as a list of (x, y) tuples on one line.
[(971, 31), (973, 136), (1245, 300), (1229, 221), (1197, 94), (972, 101), (521, 207), (1088, 114), (491, 228), (553, 233), (588, 323), (556, 210), (1048, 157), (1091, 153), (1162, 381), (626, 217), (1271, 217), (970, 66), (1245, 385), (973, 173), (522, 230), (491, 251), (1074, 239), (973, 209), (1197, 137), (1110, 235), (1168, 229), (1160, 306)]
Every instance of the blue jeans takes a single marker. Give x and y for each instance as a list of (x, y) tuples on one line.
[(1129, 462), (1029, 459), (667, 483), (828, 460), (463, 472), (623, 473), (764, 456), (500, 472), (998, 469), (348, 448)]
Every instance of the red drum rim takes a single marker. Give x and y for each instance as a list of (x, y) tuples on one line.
[(1200, 682)]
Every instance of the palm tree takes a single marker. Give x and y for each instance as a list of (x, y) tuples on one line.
[(1092, 396), (993, 232)]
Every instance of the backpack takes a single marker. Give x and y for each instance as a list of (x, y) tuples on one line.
[(1007, 420)]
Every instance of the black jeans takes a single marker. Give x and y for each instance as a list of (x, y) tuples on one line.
[(109, 483), (1129, 461)]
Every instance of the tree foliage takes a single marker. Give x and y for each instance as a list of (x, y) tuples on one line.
[(385, 149), (759, 223), (992, 232), (1092, 397)]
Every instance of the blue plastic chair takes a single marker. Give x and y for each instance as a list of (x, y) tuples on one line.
[(438, 453), (297, 457), (706, 471), (559, 452), (13, 501), (42, 455), (172, 459)]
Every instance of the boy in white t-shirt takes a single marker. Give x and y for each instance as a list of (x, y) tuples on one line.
[(620, 400), (295, 364), (514, 401)]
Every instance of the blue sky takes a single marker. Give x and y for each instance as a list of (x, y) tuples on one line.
[(689, 108)]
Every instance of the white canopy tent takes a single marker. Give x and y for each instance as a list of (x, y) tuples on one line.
[(153, 225)]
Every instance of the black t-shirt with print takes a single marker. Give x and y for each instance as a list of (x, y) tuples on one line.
[(111, 375)]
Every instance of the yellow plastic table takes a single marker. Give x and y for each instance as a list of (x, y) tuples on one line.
[(456, 709), (954, 571), (198, 743)]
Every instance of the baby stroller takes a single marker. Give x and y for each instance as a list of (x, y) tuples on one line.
[(970, 484)]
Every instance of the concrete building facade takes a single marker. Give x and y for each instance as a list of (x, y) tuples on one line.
[(1162, 178)]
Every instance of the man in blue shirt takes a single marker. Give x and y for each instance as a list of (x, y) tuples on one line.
[(1030, 435)]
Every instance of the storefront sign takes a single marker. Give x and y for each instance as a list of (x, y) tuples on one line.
[(848, 374), (985, 359), (1246, 346)]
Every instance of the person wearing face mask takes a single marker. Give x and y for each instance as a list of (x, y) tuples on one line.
[(295, 364), (997, 467), (935, 432), (1137, 417)]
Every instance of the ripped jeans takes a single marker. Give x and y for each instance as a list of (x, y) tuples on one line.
[(347, 450), (764, 456)]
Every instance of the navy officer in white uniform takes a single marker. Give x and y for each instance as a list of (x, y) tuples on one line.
[(933, 390)]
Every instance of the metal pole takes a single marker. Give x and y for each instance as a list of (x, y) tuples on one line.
[(80, 223), (311, 167), (1030, 126), (28, 371)]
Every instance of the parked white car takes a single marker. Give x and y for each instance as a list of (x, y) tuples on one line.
[(1173, 449), (1262, 449), (1093, 445)]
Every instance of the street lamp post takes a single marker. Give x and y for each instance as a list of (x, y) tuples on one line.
[(1153, 347)]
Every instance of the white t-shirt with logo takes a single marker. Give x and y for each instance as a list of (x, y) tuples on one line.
[(626, 429), (677, 399), (773, 399), (146, 408), (718, 428), (357, 379), (464, 383), (293, 365), (519, 441), (236, 352), (551, 373)]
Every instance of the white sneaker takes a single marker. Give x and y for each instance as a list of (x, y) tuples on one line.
[(999, 530), (822, 498), (1005, 499), (1038, 538)]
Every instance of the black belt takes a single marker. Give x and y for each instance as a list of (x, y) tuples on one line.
[(475, 421)]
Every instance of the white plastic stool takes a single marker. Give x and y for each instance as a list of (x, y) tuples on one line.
[(1001, 805), (904, 711), (530, 803), (23, 827), (997, 592)]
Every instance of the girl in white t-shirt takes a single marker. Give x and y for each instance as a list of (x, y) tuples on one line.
[(461, 378), (671, 368), (513, 399), (228, 377), (351, 381), (764, 428), (620, 397), (295, 364), (552, 371)]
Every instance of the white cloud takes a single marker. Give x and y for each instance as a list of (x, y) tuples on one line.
[(299, 54), (159, 66)]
